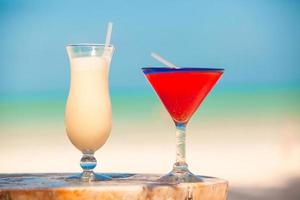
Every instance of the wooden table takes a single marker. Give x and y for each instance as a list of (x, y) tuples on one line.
[(130, 187)]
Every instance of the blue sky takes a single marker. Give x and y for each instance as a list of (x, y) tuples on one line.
[(257, 42)]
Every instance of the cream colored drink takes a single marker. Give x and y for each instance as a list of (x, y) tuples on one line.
[(88, 116)]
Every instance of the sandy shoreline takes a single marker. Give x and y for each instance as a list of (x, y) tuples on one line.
[(268, 158)]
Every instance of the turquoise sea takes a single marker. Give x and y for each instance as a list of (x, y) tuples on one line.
[(144, 106)]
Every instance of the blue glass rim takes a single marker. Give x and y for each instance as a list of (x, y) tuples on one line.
[(151, 70)]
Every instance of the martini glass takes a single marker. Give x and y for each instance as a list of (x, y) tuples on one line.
[(181, 90)]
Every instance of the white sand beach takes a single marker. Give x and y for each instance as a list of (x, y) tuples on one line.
[(264, 155)]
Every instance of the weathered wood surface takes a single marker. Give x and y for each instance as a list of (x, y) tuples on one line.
[(130, 187)]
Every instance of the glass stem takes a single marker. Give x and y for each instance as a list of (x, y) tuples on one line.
[(88, 162), (180, 164)]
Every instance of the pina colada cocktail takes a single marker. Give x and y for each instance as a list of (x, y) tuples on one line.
[(88, 115), (88, 110), (181, 90)]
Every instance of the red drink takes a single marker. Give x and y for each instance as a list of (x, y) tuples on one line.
[(182, 90)]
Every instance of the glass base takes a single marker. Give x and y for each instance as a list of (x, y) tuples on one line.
[(180, 176), (89, 177)]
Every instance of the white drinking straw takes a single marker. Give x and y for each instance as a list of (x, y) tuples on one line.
[(164, 61), (108, 34)]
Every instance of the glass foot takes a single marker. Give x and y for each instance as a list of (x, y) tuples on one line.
[(89, 177), (180, 176), (92, 176)]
